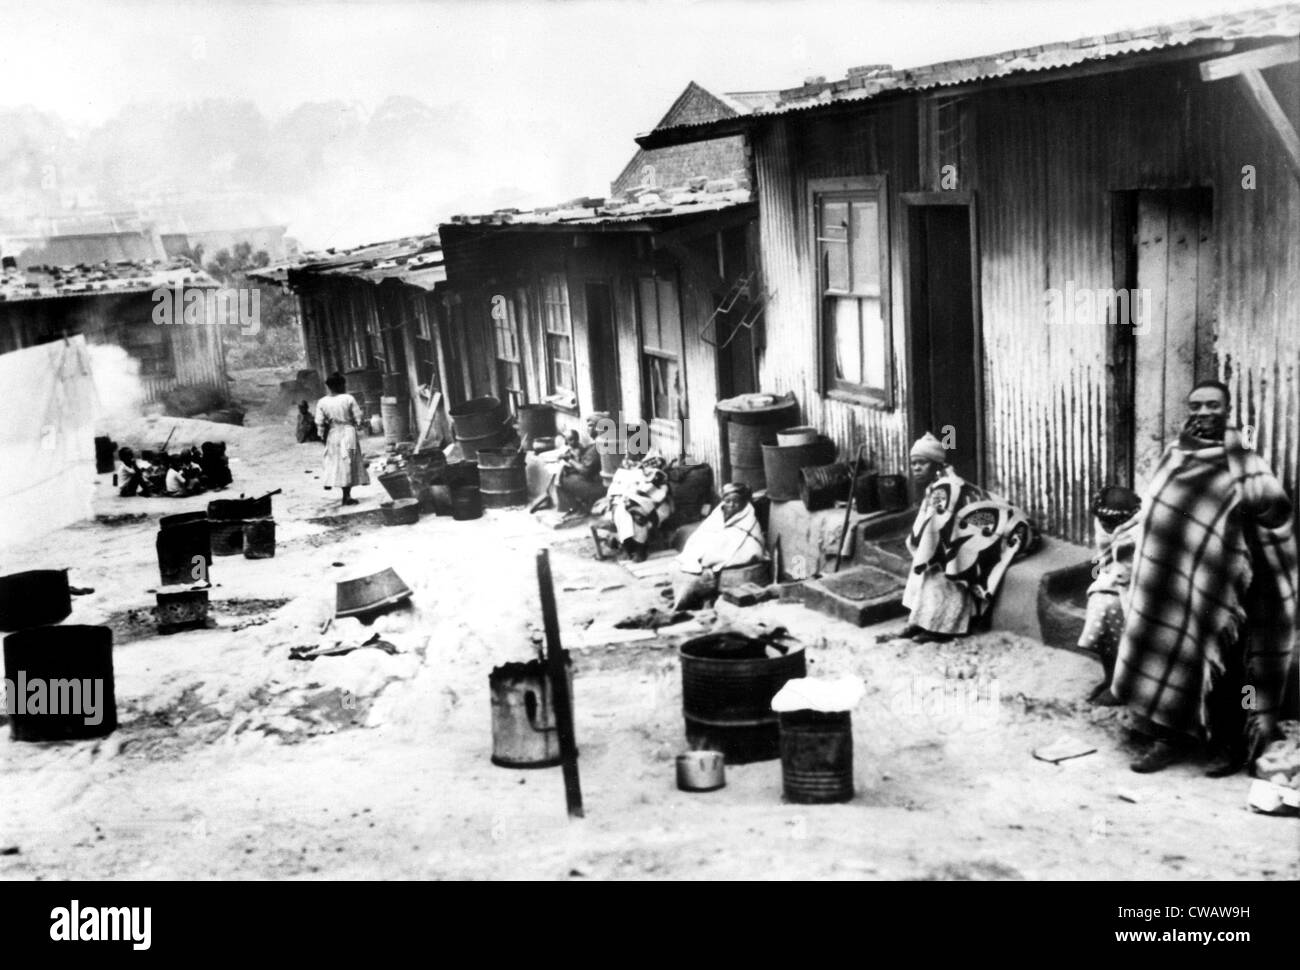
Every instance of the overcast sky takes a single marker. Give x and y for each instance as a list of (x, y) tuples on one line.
[(559, 88)]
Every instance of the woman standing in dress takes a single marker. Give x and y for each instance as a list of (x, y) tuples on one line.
[(337, 419)]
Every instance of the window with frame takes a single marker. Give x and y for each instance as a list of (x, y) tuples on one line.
[(852, 237), (426, 360), (661, 348), (559, 335), (509, 359)]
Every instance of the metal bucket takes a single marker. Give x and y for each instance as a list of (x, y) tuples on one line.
[(466, 503), (185, 609), (227, 538), (396, 417), (820, 486), (34, 598), (396, 484), (728, 683), (503, 481), (365, 594), (782, 464), (83, 654), (701, 771), (404, 511), (817, 756), (524, 729), (891, 493), (259, 539), (184, 546)]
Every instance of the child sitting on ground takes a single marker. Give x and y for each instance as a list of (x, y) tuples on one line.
[(1115, 518)]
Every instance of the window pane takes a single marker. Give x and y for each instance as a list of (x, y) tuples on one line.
[(670, 320), (846, 338), (649, 307), (663, 379), (875, 345), (865, 247), (833, 236)]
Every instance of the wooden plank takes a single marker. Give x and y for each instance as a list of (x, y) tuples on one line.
[(559, 687), (1149, 383), (1257, 60), (1180, 310), (1206, 295), (1261, 98)]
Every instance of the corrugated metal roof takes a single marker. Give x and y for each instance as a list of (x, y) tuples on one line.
[(416, 260), (647, 206), (1277, 21), (124, 276)]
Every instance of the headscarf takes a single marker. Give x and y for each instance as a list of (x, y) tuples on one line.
[(930, 448), (739, 490)]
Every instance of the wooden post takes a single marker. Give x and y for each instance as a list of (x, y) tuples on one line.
[(559, 687)]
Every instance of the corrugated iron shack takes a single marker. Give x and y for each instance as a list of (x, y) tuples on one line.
[(610, 306), (160, 313), (1035, 254)]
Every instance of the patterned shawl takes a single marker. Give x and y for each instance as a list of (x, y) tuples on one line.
[(969, 534), (1215, 571)]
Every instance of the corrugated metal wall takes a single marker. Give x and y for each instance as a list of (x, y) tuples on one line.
[(1043, 167)]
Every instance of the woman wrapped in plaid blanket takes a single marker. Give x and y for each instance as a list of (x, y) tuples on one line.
[(1210, 631)]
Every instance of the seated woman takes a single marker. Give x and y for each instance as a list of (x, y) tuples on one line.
[(578, 485), (730, 536), (637, 503), (962, 542)]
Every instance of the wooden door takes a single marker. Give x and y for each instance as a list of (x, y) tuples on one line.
[(1172, 326)]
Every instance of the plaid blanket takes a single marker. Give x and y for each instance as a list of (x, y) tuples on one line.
[(1215, 572), (969, 534)]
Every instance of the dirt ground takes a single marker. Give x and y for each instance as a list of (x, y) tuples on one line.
[(234, 761)]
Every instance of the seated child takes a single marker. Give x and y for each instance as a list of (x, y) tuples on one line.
[(131, 474), (1115, 517), (182, 477)]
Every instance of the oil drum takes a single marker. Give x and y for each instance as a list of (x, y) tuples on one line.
[(63, 683), (34, 598), (184, 548), (728, 682), (503, 481), (816, 756)]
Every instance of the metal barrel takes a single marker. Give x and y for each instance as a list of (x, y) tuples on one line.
[(692, 487), (34, 598), (105, 455), (745, 449), (470, 447), (503, 482), (466, 503), (525, 732), (820, 486), (240, 508), (80, 659), (816, 756), (259, 539), (478, 417), (227, 537), (728, 683), (782, 464), (183, 540), (397, 419)]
